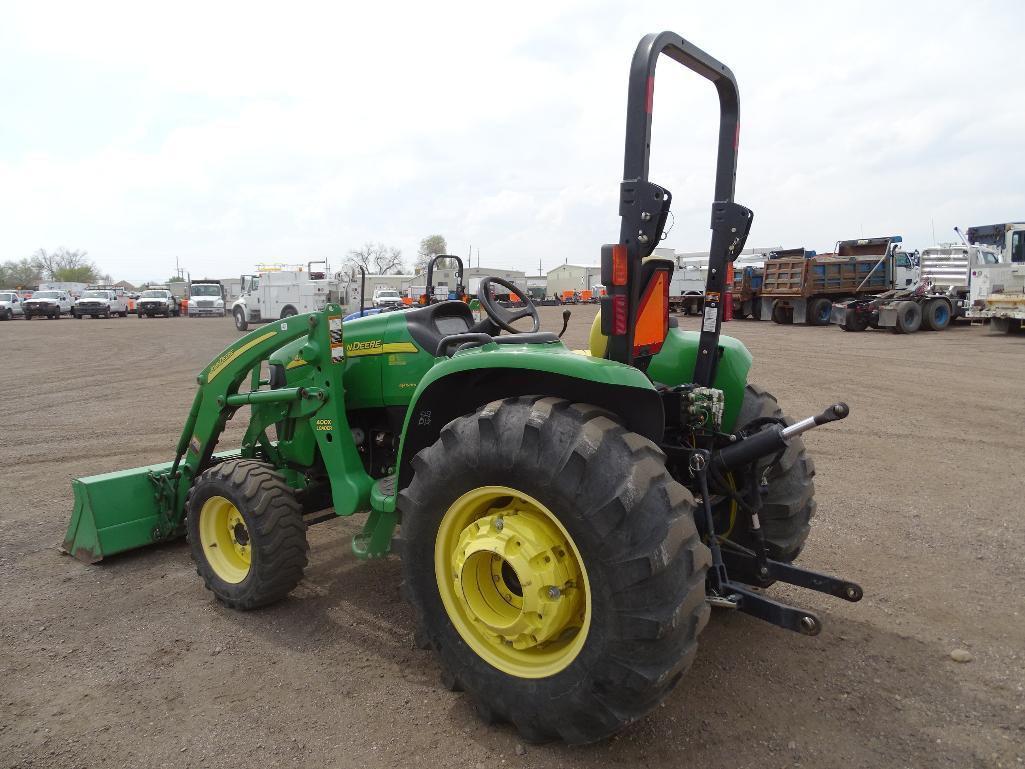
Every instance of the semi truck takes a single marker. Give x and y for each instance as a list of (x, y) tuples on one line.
[(997, 291), (803, 289)]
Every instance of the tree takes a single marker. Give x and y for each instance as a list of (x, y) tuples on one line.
[(376, 259), (65, 265), (430, 247), (16, 274)]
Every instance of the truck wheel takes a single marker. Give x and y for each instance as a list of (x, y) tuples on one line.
[(819, 312), (788, 503), (554, 565), (909, 318), (1004, 325), (247, 535), (936, 315), (856, 321), (240, 319), (781, 314), (288, 312)]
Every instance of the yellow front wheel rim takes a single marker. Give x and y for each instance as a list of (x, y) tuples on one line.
[(512, 581), (225, 539)]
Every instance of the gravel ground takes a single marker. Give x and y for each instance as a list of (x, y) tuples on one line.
[(131, 663)]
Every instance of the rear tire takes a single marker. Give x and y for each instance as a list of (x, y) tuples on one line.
[(936, 315), (1004, 325), (819, 312), (630, 524), (782, 315), (269, 564), (909, 317), (788, 503), (288, 312)]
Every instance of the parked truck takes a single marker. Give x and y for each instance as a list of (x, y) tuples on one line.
[(101, 301), (997, 291), (157, 300), (802, 289), (282, 292), (206, 298), (687, 285)]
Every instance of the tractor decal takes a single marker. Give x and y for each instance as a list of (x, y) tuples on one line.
[(377, 347), (226, 359)]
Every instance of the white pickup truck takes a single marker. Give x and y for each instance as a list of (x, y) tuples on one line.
[(101, 303), (157, 301), (387, 297), (10, 305), (48, 304)]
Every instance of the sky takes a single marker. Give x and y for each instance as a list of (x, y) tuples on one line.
[(220, 135)]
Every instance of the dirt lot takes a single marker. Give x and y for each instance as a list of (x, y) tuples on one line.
[(132, 663)]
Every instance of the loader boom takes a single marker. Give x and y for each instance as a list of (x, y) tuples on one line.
[(113, 514)]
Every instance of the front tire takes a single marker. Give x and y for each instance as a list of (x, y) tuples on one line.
[(240, 319), (247, 534), (583, 500)]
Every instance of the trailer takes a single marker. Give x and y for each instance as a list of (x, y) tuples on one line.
[(803, 289)]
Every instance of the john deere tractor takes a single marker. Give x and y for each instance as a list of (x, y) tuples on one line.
[(565, 521)]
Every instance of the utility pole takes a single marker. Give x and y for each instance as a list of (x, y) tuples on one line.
[(478, 257)]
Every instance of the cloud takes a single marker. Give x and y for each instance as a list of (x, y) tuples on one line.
[(232, 134)]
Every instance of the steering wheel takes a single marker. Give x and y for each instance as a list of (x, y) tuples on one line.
[(503, 316)]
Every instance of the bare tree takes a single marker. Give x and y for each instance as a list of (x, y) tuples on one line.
[(376, 259), (65, 265), (430, 247)]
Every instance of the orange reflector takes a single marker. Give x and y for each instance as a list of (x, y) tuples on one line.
[(619, 315), (652, 315), (619, 265)]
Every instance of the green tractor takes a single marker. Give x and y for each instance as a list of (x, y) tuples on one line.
[(565, 521)]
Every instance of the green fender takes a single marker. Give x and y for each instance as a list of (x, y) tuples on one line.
[(674, 365)]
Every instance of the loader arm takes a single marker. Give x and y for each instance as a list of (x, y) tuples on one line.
[(124, 510)]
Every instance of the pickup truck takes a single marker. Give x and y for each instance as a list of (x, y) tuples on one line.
[(387, 297), (157, 301), (10, 305), (101, 303), (48, 304)]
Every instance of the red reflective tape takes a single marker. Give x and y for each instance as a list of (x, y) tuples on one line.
[(619, 315), (651, 93)]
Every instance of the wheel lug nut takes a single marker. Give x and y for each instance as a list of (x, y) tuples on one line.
[(554, 592), (499, 524)]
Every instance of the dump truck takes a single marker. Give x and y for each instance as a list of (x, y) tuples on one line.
[(802, 289), (565, 521)]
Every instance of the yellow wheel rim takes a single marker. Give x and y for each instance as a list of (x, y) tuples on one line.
[(512, 582), (225, 539)]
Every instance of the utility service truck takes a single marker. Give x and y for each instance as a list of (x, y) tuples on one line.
[(281, 291), (802, 289)]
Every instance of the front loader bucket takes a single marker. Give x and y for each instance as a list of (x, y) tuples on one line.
[(114, 512)]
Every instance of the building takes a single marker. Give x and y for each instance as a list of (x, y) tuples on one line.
[(573, 277)]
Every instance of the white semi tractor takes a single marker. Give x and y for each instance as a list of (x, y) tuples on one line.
[(997, 292)]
